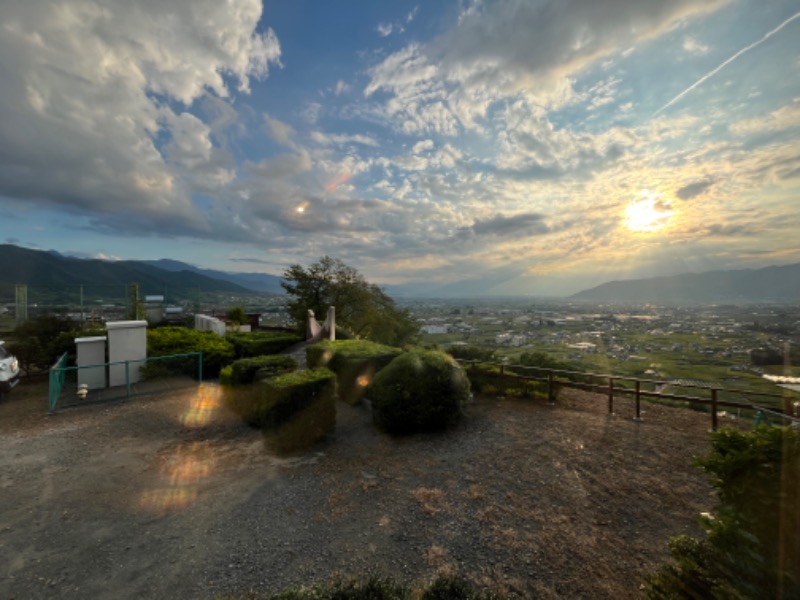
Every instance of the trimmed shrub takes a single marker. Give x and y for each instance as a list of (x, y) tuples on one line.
[(261, 343), (355, 363), (272, 402), (258, 368), (217, 351), (420, 390)]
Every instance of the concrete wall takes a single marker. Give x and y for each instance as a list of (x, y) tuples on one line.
[(206, 323)]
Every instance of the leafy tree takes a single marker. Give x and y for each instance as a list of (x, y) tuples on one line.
[(362, 307), (38, 342), (236, 315)]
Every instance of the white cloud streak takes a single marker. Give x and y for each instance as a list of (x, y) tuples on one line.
[(713, 72)]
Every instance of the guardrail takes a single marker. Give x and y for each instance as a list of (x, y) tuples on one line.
[(614, 385), (58, 373)]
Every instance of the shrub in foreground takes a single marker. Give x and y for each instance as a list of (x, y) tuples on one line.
[(377, 588), (752, 543), (273, 402), (420, 390), (355, 363)]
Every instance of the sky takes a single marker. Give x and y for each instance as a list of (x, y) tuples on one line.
[(479, 147)]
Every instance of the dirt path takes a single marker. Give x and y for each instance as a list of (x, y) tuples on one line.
[(173, 497)]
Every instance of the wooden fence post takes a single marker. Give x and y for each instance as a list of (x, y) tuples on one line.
[(714, 423), (611, 395), (550, 392), (638, 416)]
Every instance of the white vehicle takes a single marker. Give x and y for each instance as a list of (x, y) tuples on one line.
[(9, 370)]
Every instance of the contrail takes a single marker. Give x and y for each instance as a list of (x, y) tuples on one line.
[(727, 62)]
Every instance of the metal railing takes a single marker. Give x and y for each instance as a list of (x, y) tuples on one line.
[(59, 371), (614, 386)]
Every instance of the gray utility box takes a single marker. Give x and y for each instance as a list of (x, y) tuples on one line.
[(91, 351), (127, 341)]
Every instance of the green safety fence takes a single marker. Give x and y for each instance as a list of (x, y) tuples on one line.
[(132, 386), (57, 375)]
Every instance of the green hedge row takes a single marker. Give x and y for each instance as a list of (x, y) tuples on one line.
[(260, 343), (217, 351), (258, 368), (355, 362), (273, 402)]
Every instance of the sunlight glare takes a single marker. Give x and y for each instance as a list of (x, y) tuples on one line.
[(647, 215)]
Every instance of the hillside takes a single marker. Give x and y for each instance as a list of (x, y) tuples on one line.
[(257, 282), (39, 268), (770, 284)]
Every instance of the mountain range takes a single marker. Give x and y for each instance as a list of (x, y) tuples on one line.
[(41, 268), (51, 269), (769, 284)]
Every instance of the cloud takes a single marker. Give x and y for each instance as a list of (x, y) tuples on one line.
[(280, 131), (500, 225), (97, 105), (692, 46), (784, 118), (505, 49), (384, 29), (694, 189), (327, 139), (340, 88)]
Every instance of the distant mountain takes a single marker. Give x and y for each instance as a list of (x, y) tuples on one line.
[(257, 282), (770, 284), (39, 268)]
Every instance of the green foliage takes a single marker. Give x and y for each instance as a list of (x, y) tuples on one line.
[(217, 351), (752, 545), (355, 363), (471, 353), (248, 370), (236, 315), (260, 343), (420, 390), (272, 402), (361, 307), (40, 341), (542, 360), (455, 588)]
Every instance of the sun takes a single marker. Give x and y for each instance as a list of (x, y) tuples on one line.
[(647, 215)]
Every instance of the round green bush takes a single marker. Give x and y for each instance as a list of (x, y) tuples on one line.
[(420, 390)]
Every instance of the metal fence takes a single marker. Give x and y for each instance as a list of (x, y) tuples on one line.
[(152, 375), (528, 381)]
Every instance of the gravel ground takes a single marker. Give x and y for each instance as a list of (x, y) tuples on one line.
[(173, 497)]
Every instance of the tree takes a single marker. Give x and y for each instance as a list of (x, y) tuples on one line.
[(361, 307)]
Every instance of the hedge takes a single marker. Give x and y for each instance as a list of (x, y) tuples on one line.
[(260, 343), (273, 402), (421, 390), (258, 368), (355, 363), (164, 341)]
